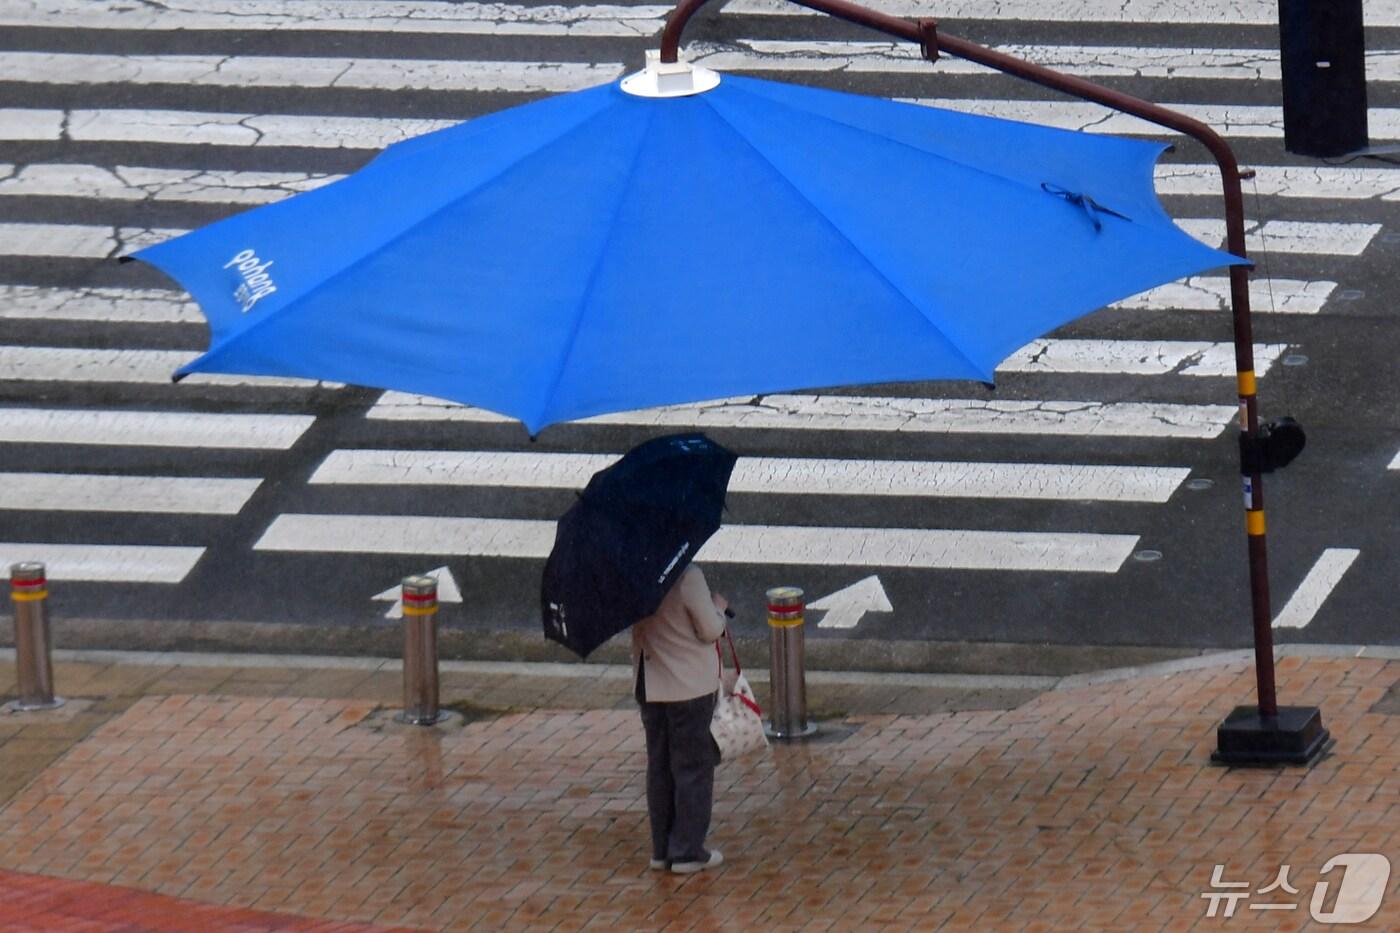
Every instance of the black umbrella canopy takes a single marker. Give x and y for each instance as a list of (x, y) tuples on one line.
[(636, 526)]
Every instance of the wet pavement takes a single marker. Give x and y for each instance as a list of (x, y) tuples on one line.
[(189, 792)]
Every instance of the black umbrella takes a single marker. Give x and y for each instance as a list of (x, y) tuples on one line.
[(635, 527)]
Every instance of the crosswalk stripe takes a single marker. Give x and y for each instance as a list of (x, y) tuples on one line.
[(1134, 12), (604, 20), (912, 548), (1395, 463), (743, 544), (362, 16), (1282, 181), (767, 475), (1321, 580), (151, 428), (110, 305), (287, 71), (58, 240), (77, 241), (105, 563), (99, 242), (876, 414), (189, 127), (195, 186), (31, 125), (74, 364), (1205, 293), (1231, 120), (72, 492), (761, 55), (1136, 357), (1289, 236), (140, 183)]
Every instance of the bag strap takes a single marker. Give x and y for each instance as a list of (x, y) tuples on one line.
[(719, 654), (732, 653)]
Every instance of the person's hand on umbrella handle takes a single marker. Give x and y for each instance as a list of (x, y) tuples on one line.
[(722, 605)]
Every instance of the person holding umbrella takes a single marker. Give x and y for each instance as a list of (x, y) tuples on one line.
[(676, 672), (622, 557)]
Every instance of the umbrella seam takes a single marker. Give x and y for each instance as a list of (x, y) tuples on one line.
[(970, 166), (583, 302), (898, 289), (742, 87), (1160, 213), (1155, 204), (213, 352)]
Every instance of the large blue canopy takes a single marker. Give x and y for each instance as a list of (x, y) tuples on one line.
[(598, 252)]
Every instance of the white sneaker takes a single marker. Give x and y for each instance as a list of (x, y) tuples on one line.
[(690, 868), (658, 864)]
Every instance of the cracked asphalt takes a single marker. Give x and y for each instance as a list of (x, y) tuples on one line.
[(128, 121)]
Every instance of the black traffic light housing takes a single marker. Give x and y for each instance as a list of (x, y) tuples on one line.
[(1322, 49)]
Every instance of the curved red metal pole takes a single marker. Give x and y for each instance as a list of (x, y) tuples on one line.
[(931, 41)]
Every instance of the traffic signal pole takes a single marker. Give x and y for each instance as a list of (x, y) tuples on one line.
[(1263, 734)]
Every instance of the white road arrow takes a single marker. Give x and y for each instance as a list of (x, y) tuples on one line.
[(447, 592), (844, 608)]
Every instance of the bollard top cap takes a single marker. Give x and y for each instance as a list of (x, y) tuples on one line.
[(27, 572), (419, 584), (785, 596)]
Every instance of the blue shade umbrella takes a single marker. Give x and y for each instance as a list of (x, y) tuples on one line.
[(600, 251)]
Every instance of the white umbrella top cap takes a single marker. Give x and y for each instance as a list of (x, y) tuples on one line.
[(669, 79)]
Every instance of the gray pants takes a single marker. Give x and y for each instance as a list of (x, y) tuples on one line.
[(681, 759)]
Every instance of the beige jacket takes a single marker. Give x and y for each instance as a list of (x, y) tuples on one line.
[(678, 642)]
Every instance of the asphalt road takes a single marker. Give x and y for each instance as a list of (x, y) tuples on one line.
[(1091, 499)]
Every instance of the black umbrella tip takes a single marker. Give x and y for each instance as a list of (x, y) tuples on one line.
[(990, 386), (123, 260)]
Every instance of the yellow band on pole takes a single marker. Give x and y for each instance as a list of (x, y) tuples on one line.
[(30, 596), (1246, 381), (419, 611), (1254, 522), (784, 623)]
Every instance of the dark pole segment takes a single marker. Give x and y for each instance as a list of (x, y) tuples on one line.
[(931, 41), (675, 25)]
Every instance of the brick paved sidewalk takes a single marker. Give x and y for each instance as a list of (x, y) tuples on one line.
[(1089, 808), (37, 902)]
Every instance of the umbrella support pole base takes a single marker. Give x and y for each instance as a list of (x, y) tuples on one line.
[(424, 718), (805, 731), (1295, 736), (34, 706)]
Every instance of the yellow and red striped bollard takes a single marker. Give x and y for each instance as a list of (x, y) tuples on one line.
[(33, 664), (420, 660), (787, 667)]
